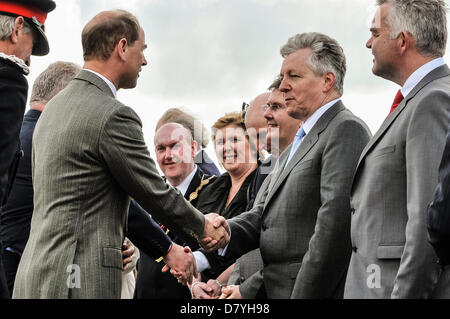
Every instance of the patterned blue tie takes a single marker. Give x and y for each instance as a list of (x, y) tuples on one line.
[(296, 143)]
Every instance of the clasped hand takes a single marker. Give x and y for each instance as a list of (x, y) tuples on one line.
[(217, 234), (181, 262)]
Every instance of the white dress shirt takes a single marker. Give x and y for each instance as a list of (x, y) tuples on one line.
[(312, 120), (184, 185), (110, 84), (419, 74), (309, 124)]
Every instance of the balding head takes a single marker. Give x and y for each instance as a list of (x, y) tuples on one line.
[(175, 150), (255, 122), (104, 31)]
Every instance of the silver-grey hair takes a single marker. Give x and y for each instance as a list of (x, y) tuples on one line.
[(7, 26), (327, 55), (425, 20), (52, 80)]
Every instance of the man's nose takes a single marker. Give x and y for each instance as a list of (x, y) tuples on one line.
[(268, 113), (168, 154), (284, 86)]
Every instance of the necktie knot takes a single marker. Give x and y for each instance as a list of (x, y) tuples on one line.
[(397, 100), (300, 134)]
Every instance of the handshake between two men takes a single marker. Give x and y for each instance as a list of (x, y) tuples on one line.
[(181, 261)]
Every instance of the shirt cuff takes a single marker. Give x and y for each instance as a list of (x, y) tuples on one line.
[(201, 260)]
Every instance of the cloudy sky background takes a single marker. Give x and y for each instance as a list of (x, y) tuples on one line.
[(208, 56)]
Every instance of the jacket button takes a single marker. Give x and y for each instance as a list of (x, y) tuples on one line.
[(354, 249), (352, 210), (264, 226)]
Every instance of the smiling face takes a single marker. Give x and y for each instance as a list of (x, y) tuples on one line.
[(303, 89), (233, 149), (175, 151), (382, 46), (281, 127)]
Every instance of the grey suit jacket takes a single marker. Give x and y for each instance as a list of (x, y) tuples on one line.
[(302, 222), (247, 271), (89, 157), (393, 185)]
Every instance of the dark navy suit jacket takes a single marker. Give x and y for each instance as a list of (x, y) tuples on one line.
[(16, 215)]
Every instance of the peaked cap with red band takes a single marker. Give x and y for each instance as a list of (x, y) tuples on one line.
[(35, 12)]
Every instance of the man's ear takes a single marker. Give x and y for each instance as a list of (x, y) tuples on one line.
[(18, 26), (194, 148), (122, 48), (330, 80), (405, 41)]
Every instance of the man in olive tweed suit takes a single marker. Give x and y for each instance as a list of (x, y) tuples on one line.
[(89, 157)]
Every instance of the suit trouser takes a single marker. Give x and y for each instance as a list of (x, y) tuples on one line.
[(10, 264), (151, 283), (4, 293)]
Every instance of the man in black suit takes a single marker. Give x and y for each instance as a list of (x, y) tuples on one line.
[(175, 149), (22, 35), (439, 210)]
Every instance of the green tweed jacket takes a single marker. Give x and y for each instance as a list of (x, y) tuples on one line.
[(89, 157)]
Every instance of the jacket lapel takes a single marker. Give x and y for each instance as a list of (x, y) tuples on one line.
[(308, 142), (194, 183), (437, 73)]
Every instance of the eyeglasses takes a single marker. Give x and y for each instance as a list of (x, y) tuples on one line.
[(275, 107)]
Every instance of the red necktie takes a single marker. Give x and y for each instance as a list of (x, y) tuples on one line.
[(397, 100)]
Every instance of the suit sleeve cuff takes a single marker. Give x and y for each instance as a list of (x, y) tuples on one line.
[(202, 261), (168, 251)]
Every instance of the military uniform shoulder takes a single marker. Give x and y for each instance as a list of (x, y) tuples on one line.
[(9, 67)]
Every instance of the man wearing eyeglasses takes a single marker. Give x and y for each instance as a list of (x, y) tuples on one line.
[(247, 272)]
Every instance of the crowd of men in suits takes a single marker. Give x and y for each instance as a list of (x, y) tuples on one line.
[(336, 213)]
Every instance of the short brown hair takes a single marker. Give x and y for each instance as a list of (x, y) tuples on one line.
[(234, 118), (101, 35)]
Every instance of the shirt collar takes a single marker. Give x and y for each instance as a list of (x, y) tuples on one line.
[(110, 84), (419, 74), (312, 120), (184, 185)]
